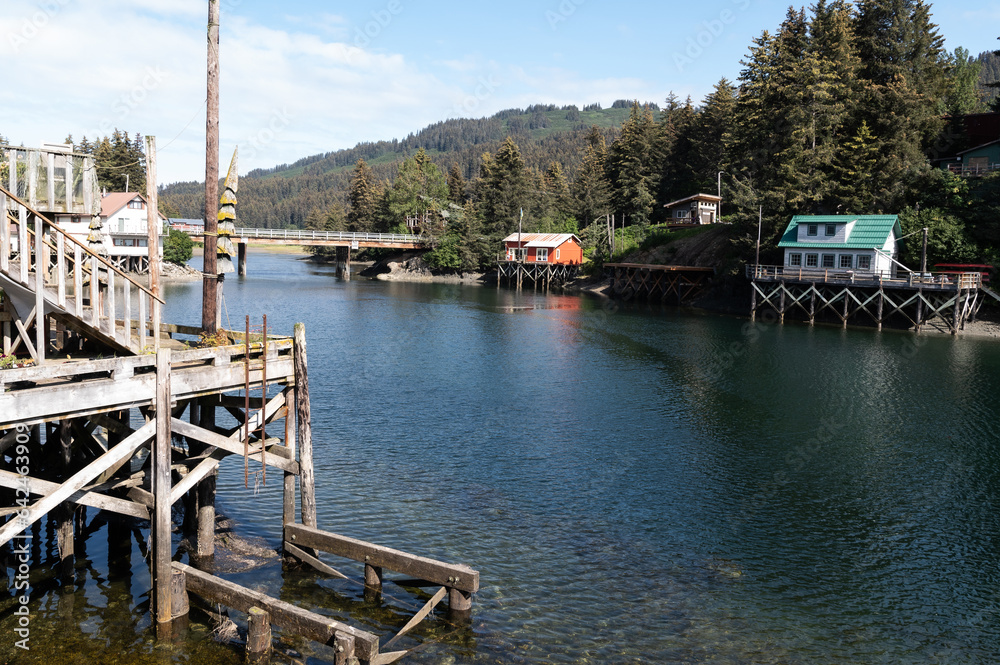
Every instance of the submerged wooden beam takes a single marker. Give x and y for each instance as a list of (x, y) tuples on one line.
[(284, 615), (449, 575)]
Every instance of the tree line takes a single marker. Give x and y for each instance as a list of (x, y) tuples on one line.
[(842, 109)]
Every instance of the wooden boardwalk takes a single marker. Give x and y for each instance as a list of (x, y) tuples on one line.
[(676, 284), (867, 297)]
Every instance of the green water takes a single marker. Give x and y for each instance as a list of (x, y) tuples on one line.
[(634, 485)]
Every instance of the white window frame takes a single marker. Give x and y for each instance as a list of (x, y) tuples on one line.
[(557, 253), (541, 255), (795, 260)]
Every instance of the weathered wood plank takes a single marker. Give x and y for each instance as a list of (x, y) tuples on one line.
[(419, 616), (284, 615), (82, 497), (445, 574), (78, 480), (319, 565)]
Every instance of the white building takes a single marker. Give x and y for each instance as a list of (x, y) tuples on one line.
[(861, 243), (124, 233), (697, 209)]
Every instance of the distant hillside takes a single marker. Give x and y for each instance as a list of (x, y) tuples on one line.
[(989, 73), (284, 195)]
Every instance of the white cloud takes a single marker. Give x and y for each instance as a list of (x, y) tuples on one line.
[(87, 67)]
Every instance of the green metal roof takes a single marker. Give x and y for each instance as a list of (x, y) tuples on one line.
[(869, 231)]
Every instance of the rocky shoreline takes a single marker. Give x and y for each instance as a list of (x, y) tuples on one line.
[(410, 267)]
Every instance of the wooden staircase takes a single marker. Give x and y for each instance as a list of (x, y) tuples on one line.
[(47, 274)]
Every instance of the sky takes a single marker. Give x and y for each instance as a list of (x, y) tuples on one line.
[(302, 77)]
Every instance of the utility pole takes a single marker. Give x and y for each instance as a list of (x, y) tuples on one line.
[(923, 256), (210, 272), (719, 194), (760, 223), (152, 217)]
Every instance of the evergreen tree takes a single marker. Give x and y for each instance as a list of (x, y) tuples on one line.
[(456, 185), (676, 147), (502, 189), (120, 162), (590, 190), (363, 196), (708, 138), (419, 189), (634, 167), (963, 89), (903, 71)]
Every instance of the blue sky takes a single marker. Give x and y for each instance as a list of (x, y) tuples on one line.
[(301, 77)]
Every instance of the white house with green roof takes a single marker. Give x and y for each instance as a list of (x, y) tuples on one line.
[(862, 243)]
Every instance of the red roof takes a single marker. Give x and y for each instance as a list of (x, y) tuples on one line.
[(112, 202)]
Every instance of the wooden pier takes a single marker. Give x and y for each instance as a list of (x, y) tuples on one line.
[(544, 275), (908, 300), (675, 284), (142, 429)]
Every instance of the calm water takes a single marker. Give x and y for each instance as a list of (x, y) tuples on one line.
[(634, 485)]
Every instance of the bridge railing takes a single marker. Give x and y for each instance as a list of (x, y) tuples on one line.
[(961, 280), (300, 234)]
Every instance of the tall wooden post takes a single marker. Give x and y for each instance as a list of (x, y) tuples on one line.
[(288, 507), (206, 496), (152, 217), (66, 511), (210, 272), (241, 259), (161, 492), (303, 421)]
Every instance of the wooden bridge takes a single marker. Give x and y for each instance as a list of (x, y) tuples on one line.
[(344, 241)]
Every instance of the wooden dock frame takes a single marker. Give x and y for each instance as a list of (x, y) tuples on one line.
[(849, 297), (545, 275), (65, 406), (674, 284)]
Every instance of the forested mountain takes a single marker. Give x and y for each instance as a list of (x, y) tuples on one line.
[(841, 109), (285, 195), (989, 72)]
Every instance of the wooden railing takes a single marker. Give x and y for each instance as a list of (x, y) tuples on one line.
[(305, 235), (67, 276), (965, 280), (966, 170)]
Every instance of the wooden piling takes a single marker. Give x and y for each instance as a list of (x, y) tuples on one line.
[(288, 505), (206, 496), (344, 647), (241, 259), (459, 600), (258, 636), (303, 422), (881, 299), (161, 491), (179, 604), (373, 577)]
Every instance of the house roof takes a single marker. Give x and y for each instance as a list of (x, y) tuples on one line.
[(112, 202), (869, 231), (542, 239), (697, 197), (978, 147)]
